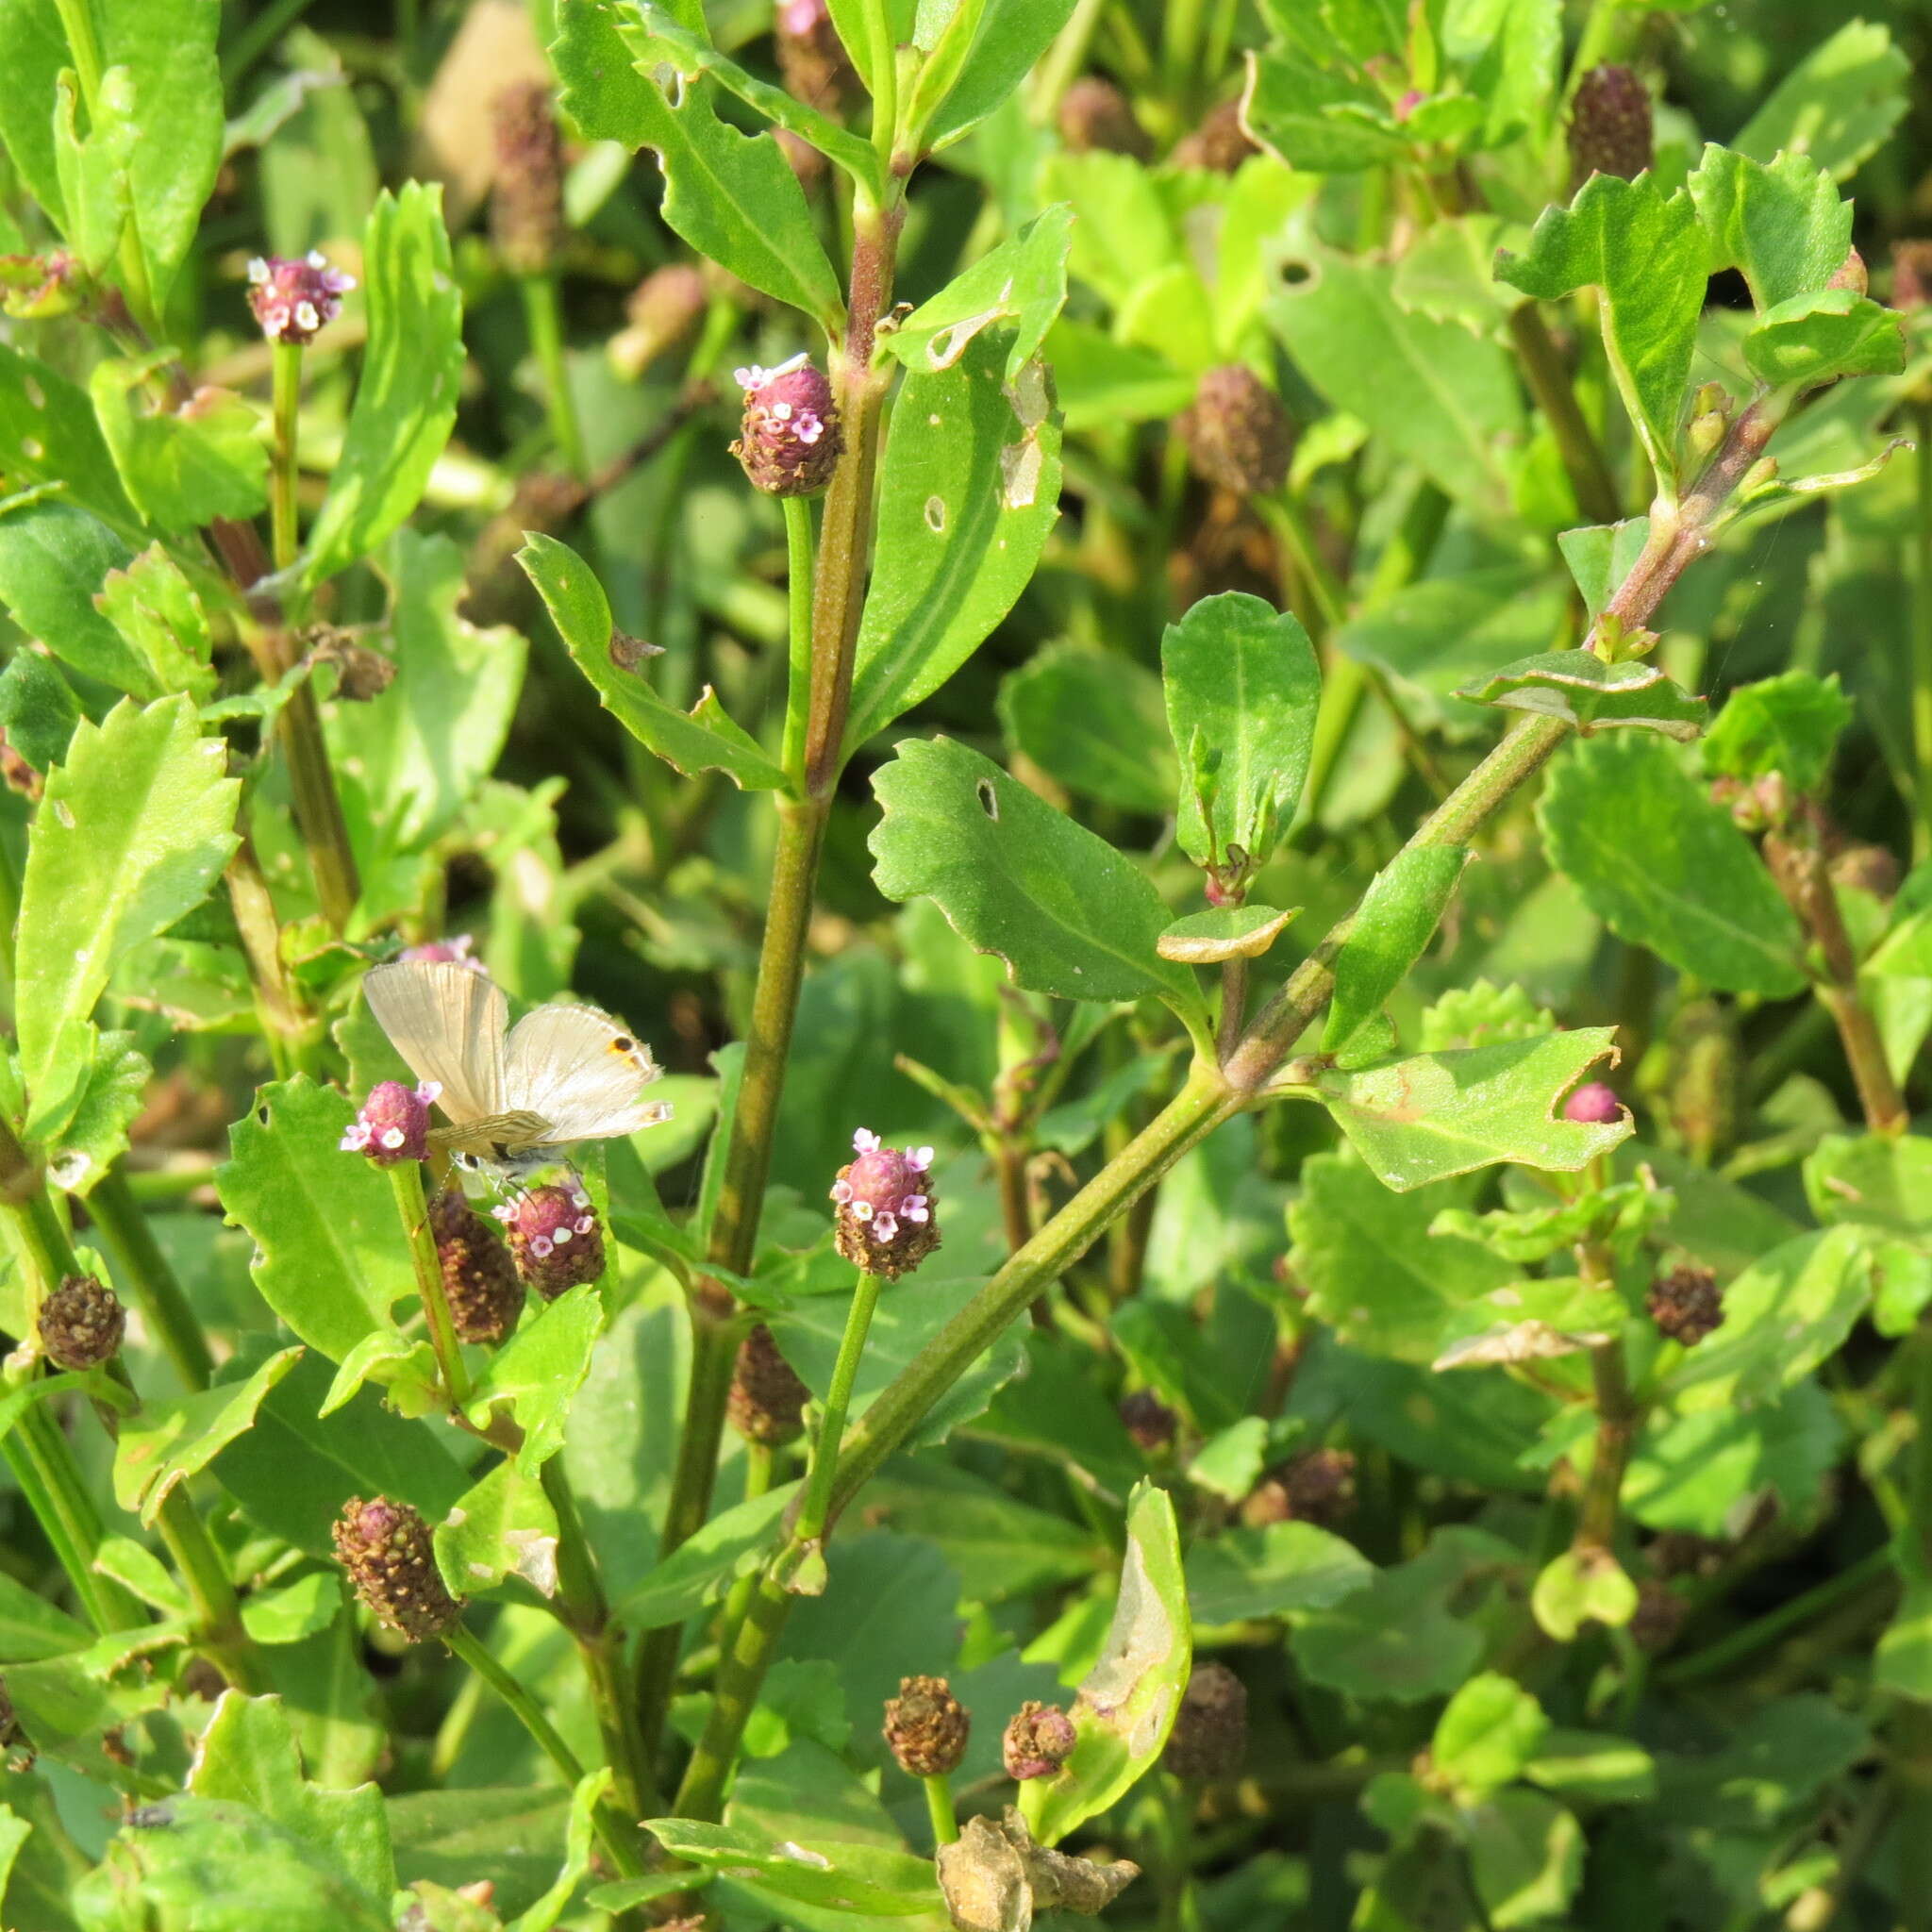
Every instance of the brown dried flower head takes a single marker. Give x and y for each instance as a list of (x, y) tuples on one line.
[(387, 1551), (486, 1294), (81, 1323), (767, 1400), (926, 1726)]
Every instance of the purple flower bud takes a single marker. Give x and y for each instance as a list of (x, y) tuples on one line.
[(393, 1125), (1038, 1742), (1236, 434), (1593, 1103), (293, 300), (555, 1239), (790, 441), (885, 1220), (456, 952)]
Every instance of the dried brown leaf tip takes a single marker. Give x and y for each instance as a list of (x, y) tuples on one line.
[(997, 1880)]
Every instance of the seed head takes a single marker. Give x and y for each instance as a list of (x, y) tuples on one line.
[(1237, 433), (1038, 1742), (1220, 143), (393, 1125), (1911, 275), (662, 311), (478, 1276), (554, 1238), (885, 1220), (1593, 1103), (1148, 1419), (1659, 1617), (926, 1726), (385, 1549), (527, 200), (1686, 1303), (1211, 1730), (789, 442), (767, 1400), (295, 300), (1610, 125), (1094, 113), (81, 1323), (1318, 1488)]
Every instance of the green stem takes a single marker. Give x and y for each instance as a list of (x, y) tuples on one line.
[(808, 1536), (286, 362), (740, 1672), (1761, 1632), (31, 1457), (1921, 634), (406, 1178), (219, 1631), (1064, 61), (798, 566), (939, 1809), (1616, 1435), (543, 312), (138, 1259), (1549, 383), (468, 1648), (288, 1032), (1283, 516)]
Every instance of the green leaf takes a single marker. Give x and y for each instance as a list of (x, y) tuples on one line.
[(182, 467), (1594, 1766), (1373, 1271), (134, 829), (1068, 914), (1586, 692), (248, 1754), (1392, 926), (1486, 1736), (1666, 868), (295, 1468), (51, 433), (1446, 399), (1837, 106), (536, 1374), (969, 490), (1449, 273), (331, 1258), (293, 1612), (512, 1836), (808, 1335), (581, 613), (167, 50), (1091, 721), (221, 1867), (504, 1525), (1696, 1473), (1816, 338), (1021, 286), (1242, 687), (731, 195), (37, 709), (94, 171), (1127, 1703), (1580, 1586), (163, 1443), (31, 32), (1432, 1116), (1647, 254), (33, 1628), (1224, 933), (1011, 36), (1789, 724), (591, 1792), (405, 400), (54, 559), (1601, 555), (1325, 118), (1784, 226), (154, 607), (1001, 1547), (1525, 1854), (706, 1561), (1271, 1573), (833, 1875)]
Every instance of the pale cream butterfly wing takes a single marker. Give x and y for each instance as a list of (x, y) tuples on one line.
[(447, 1022), (585, 1075)]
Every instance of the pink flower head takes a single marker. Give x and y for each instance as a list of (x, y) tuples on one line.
[(555, 1239), (789, 442), (295, 299), (884, 1205), (1593, 1103), (393, 1125), (457, 952), (801, 16)]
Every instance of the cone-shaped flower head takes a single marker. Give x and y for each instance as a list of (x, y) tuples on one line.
[(1038, 1742), (81, 1323), (926, 1726), (789, 442), (385, 1549), (295, 299), (554, 1238), (479, 1278), (1211, 1730), (767, 1400), (885, 1223), (393, 1125)]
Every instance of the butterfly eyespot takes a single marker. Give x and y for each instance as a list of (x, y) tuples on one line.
[(623, 1043)]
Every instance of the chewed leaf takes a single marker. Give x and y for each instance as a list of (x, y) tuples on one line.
[(503, 1527), (1125, 1707), (1019, 286), (1582, 689)]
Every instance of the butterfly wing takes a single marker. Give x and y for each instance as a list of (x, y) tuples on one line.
[(581, 1071), (447, 1023)]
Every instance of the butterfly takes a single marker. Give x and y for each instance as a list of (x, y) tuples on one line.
[(516, 1096)]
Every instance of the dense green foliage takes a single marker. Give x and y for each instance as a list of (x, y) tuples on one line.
[(1316, 705)]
